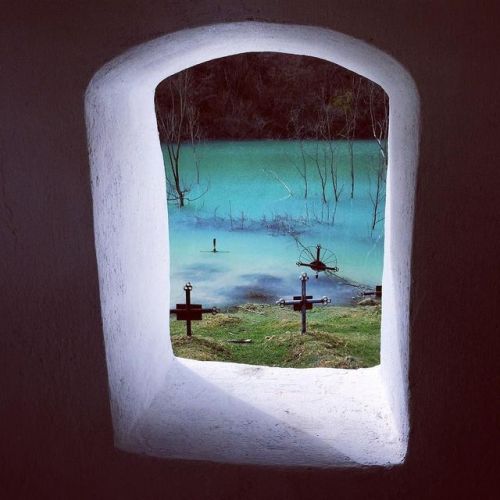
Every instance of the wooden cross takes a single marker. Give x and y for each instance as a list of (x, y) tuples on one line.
[(190, 312), (303, 302)]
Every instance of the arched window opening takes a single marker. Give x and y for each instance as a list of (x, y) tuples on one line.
[(167, 406), (275, 165)]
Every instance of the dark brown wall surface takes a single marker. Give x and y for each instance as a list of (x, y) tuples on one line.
[(56, 435)]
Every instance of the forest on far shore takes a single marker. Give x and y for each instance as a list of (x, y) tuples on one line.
[(270, 96)]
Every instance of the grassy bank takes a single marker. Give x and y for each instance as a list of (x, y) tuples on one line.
[(338, 337)]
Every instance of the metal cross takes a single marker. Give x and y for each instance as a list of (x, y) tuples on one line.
[(214, 248), (303, 302), (377, 292), (317, 264), (190, 312)]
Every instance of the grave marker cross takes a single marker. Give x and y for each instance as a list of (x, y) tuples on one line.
[(377, 292), (303, 302), (319, 263), (190, 312)]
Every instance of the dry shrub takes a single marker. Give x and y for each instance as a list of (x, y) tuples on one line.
[(222, 320), (200, 348), (346, 362), (254, 308)]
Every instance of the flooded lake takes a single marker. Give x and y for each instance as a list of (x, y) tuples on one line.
[(250, 197)]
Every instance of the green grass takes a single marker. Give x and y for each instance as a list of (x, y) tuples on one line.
[(338, 337)]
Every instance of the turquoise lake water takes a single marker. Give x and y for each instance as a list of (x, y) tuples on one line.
[(251, 199)]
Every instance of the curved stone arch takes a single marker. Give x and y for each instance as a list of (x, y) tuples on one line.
[(131, 220)]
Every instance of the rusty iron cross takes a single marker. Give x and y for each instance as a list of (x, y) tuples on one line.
[(317, 265), (303, 302), (190, 312), (377, 292)]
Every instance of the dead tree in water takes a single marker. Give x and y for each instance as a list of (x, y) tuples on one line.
[(327, 135), (325, 157), (297, 130), (378, 196), (379, 116), (321, 161), (347, 102), (179, 125)]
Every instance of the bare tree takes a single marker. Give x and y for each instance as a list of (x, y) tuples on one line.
[(193, 124), (320, 160), (297, 130), (325, 133), (178, 126), (379, 117), (347, 102), (326, 160), (275, 176), (378, 196), (336, 187)]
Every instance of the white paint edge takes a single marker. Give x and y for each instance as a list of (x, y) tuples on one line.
[(131, 239)]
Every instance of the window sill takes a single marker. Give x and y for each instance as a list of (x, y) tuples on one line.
[(234, 413)]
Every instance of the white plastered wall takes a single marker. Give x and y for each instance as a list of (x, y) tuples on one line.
[(131, 237)]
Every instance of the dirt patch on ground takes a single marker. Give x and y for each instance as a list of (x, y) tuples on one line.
[(200, 348), (254, 308), (222, 320), (346, 362)]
